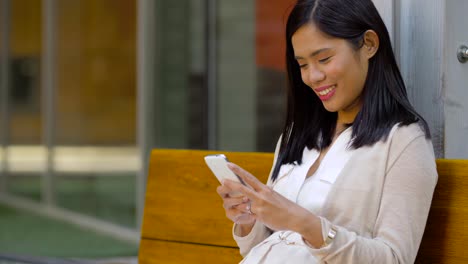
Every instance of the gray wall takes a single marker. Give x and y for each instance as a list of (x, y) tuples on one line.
[(420, 24), (455, 80), (424, 40)]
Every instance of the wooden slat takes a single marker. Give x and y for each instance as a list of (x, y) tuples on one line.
[(152, 252), (446, 233), (181, 200)]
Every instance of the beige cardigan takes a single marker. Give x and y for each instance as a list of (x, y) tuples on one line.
[(379, 203)]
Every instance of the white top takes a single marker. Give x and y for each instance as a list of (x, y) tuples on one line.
[(315, 188), (312, 194)]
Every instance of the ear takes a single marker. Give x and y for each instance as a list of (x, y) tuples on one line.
[(371, 43)]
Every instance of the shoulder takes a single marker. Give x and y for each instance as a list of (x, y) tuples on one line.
[(409, 138), (399, 137), (406, 132), (403, 135)]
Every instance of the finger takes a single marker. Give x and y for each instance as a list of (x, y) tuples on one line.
[(233, 202), (234, 213), (245, 208), (223, 191), (247, 177), (235, 186), (244, 218)]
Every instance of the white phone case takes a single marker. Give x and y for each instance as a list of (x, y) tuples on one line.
[(218, 165)]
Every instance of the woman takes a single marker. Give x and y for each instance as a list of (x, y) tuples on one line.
[(354, 171)]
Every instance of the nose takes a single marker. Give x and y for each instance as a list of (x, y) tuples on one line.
[(312, 76)]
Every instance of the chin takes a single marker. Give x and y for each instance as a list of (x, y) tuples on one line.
[(330, 107)]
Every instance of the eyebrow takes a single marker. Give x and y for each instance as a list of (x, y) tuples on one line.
[(313, 54)]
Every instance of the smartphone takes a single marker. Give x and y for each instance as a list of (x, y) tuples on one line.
[(218, 165)]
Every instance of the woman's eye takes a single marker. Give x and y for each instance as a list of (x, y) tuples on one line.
[(324, 60), (302, 65)]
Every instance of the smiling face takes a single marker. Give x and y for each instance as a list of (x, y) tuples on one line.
[(332, 68)]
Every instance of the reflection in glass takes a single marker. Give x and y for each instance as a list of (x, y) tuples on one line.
[(181, 98), (24, 100), (250, 76), (271, 75), (95, 158)]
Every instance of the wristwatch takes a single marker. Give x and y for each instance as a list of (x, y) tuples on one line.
[(328, 240), (330, 236)]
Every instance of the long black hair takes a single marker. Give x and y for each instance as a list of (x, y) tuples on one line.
[(385, 101)]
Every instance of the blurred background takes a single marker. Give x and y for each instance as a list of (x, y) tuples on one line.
[(88, 87)]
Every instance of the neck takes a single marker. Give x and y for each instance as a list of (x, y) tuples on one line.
[(344, 119), (347, 116)]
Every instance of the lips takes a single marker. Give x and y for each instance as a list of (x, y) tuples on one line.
[(325, 92)]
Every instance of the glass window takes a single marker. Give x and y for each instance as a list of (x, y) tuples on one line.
[(96, 156), (248, 57), (24, 133)]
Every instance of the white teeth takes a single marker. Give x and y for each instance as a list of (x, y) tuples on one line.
[(326, 91)]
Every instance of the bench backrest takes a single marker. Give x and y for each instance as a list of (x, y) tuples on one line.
[(446, 233), (184, 221)]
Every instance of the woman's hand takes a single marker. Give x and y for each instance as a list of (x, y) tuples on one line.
[(270, 207), (237, 208)]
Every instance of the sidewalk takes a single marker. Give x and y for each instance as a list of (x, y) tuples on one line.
[(25, 236), (16, 259)]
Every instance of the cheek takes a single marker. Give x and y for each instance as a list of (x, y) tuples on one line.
[(304, 77), (358, 75), (347, 71), (335, 70)]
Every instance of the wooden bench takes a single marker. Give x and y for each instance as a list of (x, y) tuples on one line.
[(184, 221)]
